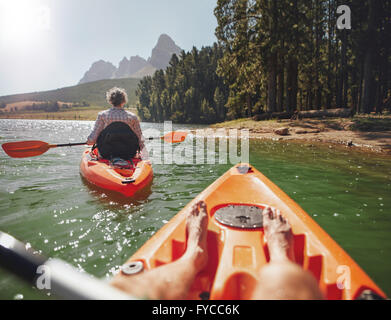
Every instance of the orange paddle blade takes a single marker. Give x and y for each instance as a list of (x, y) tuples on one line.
[(25, 149), (175, 136)]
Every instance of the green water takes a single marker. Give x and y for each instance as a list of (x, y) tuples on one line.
[(43, 200)]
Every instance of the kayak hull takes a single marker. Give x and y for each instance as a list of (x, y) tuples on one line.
[(124, 181), (236, 255)]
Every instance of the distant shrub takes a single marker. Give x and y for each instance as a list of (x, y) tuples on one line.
[(45, 106)]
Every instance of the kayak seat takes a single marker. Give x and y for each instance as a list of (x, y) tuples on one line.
[(118, 140), (119, 163), (124, 167)]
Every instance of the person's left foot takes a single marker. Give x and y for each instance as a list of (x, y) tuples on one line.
[(278, 234), (197, 229)]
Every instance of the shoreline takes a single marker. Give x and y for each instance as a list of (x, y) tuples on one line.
[(313, 131), (76, 114), (369, 147), (309, 131)]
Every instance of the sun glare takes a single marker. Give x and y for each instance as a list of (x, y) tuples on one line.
[(23, 21)]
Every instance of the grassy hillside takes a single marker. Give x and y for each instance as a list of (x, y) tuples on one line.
[(86, 113), (92, 93)]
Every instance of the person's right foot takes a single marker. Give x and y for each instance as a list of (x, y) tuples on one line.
[(197, 229), (278, 234)]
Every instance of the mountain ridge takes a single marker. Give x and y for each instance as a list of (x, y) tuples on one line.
[(136, 66), (90, 92)]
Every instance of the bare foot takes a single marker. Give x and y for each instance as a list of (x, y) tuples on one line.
[(278, 234), (173, 281), (197, 230)]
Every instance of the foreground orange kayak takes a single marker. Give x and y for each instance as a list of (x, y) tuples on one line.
[(237, 250), (124, 181)]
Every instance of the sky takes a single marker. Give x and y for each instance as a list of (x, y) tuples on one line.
[(49, 44)]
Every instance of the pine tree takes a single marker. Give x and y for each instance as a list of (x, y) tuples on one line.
[(283, 56)]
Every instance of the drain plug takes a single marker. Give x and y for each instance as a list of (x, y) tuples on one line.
[(132, 268)]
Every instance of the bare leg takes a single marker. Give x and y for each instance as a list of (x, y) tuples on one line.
[(282, 279), (173, 281)]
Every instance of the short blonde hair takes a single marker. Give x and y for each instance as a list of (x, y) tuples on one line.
[(116, 96)]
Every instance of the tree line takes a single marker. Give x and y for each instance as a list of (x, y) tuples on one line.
[(188, 91), (52, 106), (48, 106), (278, 56)]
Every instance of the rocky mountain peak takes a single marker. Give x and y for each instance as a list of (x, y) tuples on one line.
[(98, 71), (127, 68), (136, 66), (163, 51)]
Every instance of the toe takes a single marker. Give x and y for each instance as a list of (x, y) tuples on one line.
[(194, 210), (202, 205), (267, 213), (273, 214)]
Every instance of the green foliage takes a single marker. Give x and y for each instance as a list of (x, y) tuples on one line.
[(188, 91), (286, 55), (50, 106)]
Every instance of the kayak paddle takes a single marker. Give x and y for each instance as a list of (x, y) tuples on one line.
[(65, 280), (25, 149)]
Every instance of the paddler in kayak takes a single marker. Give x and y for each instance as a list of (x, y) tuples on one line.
[(281, 279), (118, 97)]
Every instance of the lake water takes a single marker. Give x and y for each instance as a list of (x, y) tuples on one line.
[(43, 200)]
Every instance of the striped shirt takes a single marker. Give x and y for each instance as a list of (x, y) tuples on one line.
[(118, 114)]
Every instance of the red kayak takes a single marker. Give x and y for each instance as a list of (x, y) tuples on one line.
[(126, 181)]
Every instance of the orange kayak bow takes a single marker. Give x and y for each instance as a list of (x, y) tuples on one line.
[(236, 247)]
